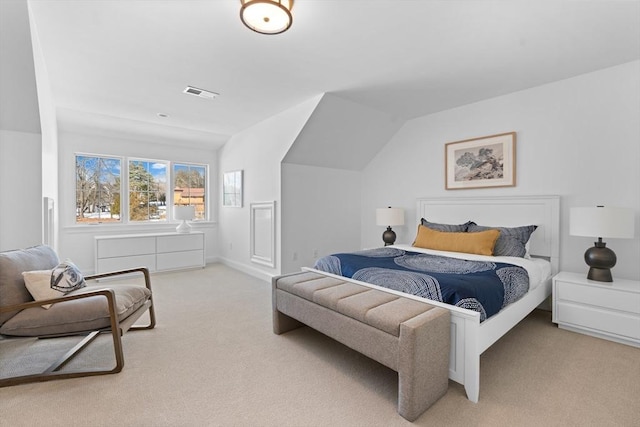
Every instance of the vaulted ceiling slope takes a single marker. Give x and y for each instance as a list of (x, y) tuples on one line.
[(132, 59), (18, 92), (342, 134)]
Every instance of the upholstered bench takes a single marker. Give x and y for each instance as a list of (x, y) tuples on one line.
[(411, 337)]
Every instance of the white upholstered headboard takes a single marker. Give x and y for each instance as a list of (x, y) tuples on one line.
[(543, 211)]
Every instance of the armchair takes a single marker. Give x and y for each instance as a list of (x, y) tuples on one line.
[(88, 311)]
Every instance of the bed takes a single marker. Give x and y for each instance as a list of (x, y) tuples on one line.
[(471, 334)]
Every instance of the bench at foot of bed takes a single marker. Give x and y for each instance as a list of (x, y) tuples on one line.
[(408, 336)]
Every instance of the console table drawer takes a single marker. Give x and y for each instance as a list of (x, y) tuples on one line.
[(597, 296), (116, 263), (108, 248), (176, 260), (178, 243), (618, 323)]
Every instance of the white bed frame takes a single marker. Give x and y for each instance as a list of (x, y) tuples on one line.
[(469, 337)]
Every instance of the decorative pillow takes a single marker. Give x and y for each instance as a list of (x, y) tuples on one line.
[(512, 241), (451, 228), (47, 284), (481, 243)]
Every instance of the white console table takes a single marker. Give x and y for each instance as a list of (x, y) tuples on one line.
[(157, 252)]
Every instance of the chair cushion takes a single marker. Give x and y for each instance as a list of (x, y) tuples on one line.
[(12, 264), (78, 315)]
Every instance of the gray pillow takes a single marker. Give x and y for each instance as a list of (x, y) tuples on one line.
[(512, 240), (66, 277), (451, 228)]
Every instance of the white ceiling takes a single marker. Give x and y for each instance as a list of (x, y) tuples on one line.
[(132, 59)]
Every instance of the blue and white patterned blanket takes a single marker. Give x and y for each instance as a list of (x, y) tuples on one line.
[(482, 286)]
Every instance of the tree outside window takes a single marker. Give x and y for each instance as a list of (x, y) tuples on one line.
[(189, 187), (147, 191), (97, 189)]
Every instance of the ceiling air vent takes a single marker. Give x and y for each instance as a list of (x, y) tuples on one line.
[(200, 92)]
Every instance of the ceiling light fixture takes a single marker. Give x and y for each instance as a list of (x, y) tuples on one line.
[(267, 16)]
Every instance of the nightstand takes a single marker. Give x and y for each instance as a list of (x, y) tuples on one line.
[(608, 310)]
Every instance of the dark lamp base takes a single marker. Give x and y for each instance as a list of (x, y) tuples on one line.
[(601, 259), (600, 274), (389, 236)]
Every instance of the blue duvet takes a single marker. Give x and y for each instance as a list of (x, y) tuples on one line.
[(482, 286)]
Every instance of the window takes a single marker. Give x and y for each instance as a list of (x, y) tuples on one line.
[(97, 189), (105, 194), (147, 191), (189, 187)]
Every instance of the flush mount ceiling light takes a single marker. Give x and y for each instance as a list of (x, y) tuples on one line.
[(267, 16)]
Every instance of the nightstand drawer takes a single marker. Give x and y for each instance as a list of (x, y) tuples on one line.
[(597, 319), (599, 296)]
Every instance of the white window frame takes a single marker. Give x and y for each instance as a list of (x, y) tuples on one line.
[(207, 201), (123, 170), (169, 205), (124, 191)]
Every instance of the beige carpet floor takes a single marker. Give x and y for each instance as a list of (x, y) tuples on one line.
[(214, 361)]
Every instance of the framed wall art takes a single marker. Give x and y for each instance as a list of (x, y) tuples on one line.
[(232, 189), (488, 161)]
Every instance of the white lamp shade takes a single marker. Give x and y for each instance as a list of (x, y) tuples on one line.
[(610, 222), (389, 216), (184, 213)]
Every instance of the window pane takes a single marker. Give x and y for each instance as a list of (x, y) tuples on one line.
[(147, 191), (189, 187), (97, 189)]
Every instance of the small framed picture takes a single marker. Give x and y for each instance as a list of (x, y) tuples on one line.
[(232, 189), (488, 161)]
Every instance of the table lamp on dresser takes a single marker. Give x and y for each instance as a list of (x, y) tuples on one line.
[(184, 214)]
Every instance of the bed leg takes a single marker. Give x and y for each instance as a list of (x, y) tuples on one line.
[(472, 378)]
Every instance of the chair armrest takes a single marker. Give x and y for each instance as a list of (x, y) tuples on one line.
[(108, 293), (143, 270)]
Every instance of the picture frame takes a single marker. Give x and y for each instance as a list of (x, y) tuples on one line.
[(232, 189), (484, 162), (263, 233)]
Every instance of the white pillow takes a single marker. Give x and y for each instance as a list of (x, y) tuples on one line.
[(47, 284)]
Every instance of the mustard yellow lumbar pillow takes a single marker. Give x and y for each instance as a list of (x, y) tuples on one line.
[(480, 243)]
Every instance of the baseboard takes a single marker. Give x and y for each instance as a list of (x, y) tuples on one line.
[(251, 271)]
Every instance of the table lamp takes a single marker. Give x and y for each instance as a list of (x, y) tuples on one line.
[(184, 214), (389, 217), (600, 221)]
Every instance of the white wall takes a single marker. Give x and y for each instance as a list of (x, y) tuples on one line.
[(20, 190), (20, 138), (320, 214), (258, 151), (77, 241), (578, 138)]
